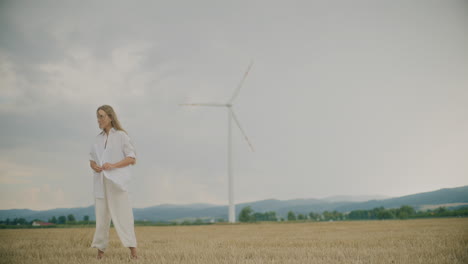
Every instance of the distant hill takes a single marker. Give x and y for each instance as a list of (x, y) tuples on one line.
[(362, 198), (167, 212), (442, 196)]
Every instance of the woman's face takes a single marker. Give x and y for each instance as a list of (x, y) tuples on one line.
[(104, 120)]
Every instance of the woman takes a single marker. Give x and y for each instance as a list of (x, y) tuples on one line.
[(110, 157)]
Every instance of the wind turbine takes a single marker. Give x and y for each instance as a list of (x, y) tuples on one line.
[(231, 116)]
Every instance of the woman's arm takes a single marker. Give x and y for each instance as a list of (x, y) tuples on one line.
[(123, 163)]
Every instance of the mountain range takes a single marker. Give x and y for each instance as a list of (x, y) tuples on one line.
[(449, 197)]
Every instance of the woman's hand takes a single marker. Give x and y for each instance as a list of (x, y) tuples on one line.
[(95, 167), (108, 166)]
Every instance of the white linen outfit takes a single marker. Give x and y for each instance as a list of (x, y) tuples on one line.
[(110, 189)]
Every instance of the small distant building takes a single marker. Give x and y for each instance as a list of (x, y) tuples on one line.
[(40, 223)]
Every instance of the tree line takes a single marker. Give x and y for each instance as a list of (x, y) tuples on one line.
[(247, 214), (60, 220), (69, 219)]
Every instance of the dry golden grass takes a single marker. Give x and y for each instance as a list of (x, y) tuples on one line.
[(411, 241)]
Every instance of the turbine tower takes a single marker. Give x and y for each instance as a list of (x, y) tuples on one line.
[(231, 116)]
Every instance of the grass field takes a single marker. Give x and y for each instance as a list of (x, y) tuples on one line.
[(399, 241)]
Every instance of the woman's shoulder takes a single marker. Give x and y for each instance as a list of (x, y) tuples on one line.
[(121, 133)]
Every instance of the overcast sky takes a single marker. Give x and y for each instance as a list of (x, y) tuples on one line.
[(344, 97)]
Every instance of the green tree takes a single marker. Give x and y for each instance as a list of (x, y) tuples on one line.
[(406, 211), (358, 214), (246, 214), (327, 216), (71, 218), (86, 218), (62, 220), (301, 217), (374, 213), (291, 216), (386, 214), (314, 217), (440, 210), (267, 216), (22, 221), (271, 216), (337, 215)]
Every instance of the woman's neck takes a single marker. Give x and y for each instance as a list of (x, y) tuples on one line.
[(107, 129)]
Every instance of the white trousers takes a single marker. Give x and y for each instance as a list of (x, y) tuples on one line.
[(114, 206)]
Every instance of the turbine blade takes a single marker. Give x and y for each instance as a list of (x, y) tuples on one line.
[(240, 127), (236, 92), (217, 105)]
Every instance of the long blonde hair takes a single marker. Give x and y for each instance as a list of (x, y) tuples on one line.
[(112, 115)]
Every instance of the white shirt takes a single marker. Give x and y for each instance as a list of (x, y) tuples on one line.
[(112, 148)]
